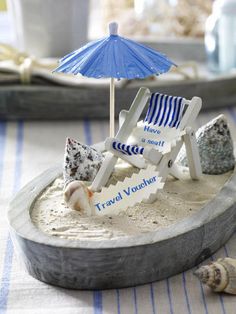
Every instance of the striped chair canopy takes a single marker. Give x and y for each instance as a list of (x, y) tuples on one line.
[(165, 110)]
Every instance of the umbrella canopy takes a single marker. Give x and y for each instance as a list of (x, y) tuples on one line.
[(114, 57)]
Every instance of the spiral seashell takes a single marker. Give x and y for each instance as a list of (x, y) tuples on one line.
[(220, 276), (78, 197)]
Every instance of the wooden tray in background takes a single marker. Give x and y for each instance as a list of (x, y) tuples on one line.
[(49, 101)]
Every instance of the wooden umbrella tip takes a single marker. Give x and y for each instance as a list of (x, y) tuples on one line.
[(113, 28)]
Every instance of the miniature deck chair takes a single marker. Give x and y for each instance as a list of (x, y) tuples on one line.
[(156, 140)]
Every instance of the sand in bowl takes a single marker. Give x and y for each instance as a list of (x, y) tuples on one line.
[(178, 199)]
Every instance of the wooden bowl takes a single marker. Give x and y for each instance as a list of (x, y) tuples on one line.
[(117, 263)]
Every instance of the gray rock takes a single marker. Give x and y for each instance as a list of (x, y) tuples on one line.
[(81, 162), (215, 147)]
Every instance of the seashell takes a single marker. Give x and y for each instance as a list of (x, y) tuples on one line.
[(215, 147), (220, 276), (78, 197), (81, 162)]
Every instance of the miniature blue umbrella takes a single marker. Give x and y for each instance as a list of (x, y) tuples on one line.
[(114, 57)]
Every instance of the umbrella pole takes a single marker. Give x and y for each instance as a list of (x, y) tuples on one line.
[(112, 107)]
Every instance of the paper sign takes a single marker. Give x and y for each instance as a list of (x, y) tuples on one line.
[(116, 198), (154, 135)]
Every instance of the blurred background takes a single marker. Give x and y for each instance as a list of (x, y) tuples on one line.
[(198, 35), (156, 19)]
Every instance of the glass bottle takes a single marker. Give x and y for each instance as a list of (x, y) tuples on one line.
[(220, 36)]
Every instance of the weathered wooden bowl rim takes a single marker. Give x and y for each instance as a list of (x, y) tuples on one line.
[(20, 221)]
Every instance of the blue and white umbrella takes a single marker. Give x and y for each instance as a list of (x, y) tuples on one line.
[(114, 57)]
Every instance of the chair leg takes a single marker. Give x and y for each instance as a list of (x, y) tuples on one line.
[(179, 172), (165, 166), (104, 172), (192, 152)]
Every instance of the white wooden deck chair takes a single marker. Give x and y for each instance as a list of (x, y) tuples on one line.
[(155, 140)]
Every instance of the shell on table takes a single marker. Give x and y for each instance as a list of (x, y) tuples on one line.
[(220, 276)]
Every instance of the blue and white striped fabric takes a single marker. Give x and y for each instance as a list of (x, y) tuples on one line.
[(165, 110), (127, 149)]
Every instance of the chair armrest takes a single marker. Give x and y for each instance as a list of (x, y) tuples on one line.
[(134, 160), (122, 117)]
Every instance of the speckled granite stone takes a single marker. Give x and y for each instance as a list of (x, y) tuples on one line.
[(215, 147), (81, 162)]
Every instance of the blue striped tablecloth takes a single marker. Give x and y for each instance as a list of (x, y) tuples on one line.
[(28, 148)]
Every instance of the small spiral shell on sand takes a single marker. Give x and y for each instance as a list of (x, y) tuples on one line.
[(78, 197), (220, 276)]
